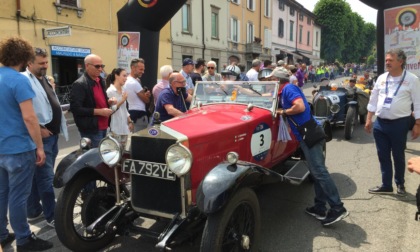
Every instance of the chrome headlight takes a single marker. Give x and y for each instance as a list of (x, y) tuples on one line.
[(335, 108), (179, 159), (232, 157), (85, 143), (110, 151)]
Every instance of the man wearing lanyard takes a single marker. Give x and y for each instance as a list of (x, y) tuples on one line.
[(391, 99)]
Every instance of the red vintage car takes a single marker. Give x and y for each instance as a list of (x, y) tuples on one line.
[(196, 171)]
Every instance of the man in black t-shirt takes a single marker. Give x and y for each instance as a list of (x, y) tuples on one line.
[(198, 70)]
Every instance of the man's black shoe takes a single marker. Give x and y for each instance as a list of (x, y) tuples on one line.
[(333, 216), (34, 244), (381, 190), (401, 190), (9, 239)]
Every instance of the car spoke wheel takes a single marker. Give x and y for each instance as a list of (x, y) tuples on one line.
[(79, 204), (234, 228), (350, 122)]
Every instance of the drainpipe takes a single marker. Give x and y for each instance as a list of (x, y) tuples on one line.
[(202, 27), (18, 12)]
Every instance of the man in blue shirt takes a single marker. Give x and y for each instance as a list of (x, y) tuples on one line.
[(171, 102), (296, 108), (21, 148)]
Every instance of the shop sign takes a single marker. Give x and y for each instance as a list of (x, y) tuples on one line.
[(57, 32), (69, 51)]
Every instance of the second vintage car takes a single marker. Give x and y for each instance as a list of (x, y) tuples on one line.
[(194, 172)]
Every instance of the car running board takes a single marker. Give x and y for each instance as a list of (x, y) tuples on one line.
[(298, 173)]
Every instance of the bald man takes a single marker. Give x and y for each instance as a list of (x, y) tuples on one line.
[(171, 102), (89, 102)]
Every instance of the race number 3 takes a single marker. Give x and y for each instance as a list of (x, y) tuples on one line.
[(261, 141)]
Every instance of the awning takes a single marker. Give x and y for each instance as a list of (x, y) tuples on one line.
[(295, 55), (309, 56)]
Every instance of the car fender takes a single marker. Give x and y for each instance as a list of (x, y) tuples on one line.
[(352, 103), (75, 162), (221, 183)]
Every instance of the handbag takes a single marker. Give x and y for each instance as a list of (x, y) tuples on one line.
[(310, 132)]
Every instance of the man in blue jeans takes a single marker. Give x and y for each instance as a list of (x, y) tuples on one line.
[(295, 107), (21, 148), (52, 122), (391, 99)]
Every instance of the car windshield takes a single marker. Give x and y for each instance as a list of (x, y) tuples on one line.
[(259, 93)]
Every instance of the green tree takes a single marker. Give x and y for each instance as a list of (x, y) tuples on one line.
[(331, 15), (370, 60), (345, 35)]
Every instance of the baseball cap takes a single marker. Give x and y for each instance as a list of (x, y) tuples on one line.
[(280, 63), (188, 61), (279, 72)]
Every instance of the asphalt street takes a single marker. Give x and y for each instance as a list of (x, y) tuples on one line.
[(375, 223)]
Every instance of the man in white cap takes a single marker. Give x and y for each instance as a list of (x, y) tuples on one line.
[(296, 109)]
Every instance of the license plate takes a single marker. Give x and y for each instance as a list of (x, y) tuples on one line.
[(148, 169)]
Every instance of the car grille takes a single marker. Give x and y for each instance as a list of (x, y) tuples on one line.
[(321, 108), (154, 194)]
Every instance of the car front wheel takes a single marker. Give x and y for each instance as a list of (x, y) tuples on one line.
[(79, 204), (236, 227), (351, 118)]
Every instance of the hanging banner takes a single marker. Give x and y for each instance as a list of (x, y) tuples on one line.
[(402, 31), (128, 48)]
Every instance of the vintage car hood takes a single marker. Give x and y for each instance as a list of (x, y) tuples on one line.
[(212, 119)]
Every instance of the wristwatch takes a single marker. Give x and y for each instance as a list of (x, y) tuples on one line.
[(284, 112)]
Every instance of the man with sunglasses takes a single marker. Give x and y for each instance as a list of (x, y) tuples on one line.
[(137, 96), (211, 74), (52, 122), (89, 102)]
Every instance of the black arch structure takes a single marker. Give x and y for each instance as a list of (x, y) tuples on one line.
[(148, 20), (381, 5)]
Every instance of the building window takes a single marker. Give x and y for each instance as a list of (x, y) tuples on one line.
[(308, 38), (291, 30), (316, 39), (267, 38), (249, 33), (301, 16), (267, 8), (292, 11), (281, 5), (234, 30), (71, 3), (186, 18), (236, 1), (309, 21), (215, 22), (250, 4), (281, 28), (300, 33)]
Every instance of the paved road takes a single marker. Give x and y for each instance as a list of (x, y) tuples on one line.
[(376, 223)]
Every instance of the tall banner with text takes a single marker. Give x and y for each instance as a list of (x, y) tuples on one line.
[(128, 48), (402, 31)]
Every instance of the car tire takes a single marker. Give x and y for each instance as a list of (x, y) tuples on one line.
[(70, 229), (235, 226), (351, 118)]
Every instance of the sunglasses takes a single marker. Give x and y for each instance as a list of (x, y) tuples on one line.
[(97, 66), (210, 67), (40, 51)]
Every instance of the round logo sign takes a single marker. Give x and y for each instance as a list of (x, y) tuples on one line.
[(153, 132), (407, 17), (147, 3), (125, 39), (261, 141)]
